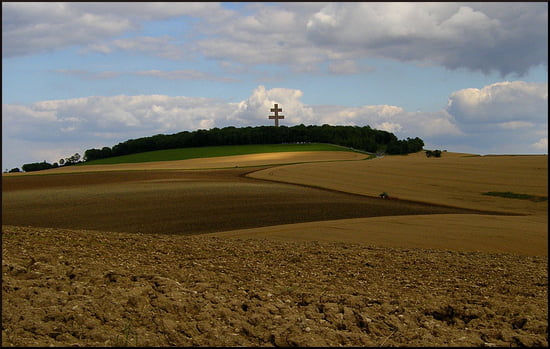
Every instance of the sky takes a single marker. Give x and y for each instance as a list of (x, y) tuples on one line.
[(464, 77)]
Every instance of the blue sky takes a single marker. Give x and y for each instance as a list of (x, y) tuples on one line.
[(466, 77)]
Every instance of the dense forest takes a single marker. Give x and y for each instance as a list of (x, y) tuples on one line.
[(360, 138)]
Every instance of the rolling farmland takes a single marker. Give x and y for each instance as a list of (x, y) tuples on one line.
[(283, 248)]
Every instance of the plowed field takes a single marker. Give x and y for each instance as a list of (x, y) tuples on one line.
[(182, 202), (217, 258)]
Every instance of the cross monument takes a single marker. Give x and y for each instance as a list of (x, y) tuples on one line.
[(276, 110)]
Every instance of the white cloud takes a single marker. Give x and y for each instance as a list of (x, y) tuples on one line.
[(509, 38), (255, 109), (513, 125), (541, 144), (388, 126), (163, 46), (125, 116), (501, 102), (30, 28), (154, 10), (389, 118), (471, 35), (99, 121), (10, 111)]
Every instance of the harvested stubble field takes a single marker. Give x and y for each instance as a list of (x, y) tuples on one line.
[(83, 262)]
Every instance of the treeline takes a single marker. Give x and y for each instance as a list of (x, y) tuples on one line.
[(361, 138), (38, 166)]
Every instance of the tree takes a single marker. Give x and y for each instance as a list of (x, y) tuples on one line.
[(72, 159), (436, 153), (36, 166)]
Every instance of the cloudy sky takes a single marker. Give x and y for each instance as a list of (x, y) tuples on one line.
[(467, 77)]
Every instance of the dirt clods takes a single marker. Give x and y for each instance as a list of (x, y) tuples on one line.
[(91, 288)]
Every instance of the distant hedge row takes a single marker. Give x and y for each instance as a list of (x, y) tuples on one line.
[(361, 138)]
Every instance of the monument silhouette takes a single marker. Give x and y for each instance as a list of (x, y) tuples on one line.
[(276, 110)]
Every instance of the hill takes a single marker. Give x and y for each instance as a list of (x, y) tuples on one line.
[(214, 151), (361, 138)]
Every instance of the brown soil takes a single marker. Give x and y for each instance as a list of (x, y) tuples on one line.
[(90, 288), (182, 202), (76, 272)]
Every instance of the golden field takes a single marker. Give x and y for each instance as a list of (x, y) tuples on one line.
[(455, 179)]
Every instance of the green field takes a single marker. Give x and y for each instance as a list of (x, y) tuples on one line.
[(510, 195), (208, 152)]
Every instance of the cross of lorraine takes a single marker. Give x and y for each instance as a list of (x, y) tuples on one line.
[(276, 110)]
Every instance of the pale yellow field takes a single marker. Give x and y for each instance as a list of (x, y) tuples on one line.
[(454, 179)]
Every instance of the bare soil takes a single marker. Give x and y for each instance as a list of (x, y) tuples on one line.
[(114, 259), (90, 288)]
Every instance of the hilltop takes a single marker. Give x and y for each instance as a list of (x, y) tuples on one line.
[(357, 138)]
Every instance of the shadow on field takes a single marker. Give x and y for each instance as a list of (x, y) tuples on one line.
[(182, 202)]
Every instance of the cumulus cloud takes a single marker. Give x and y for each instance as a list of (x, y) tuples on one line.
[(99, 121), (509, 38), (254, 110), (501, 102), (487, 37), (504, 117), (270, 34), (30, 28), (541, 144), (117, 116), (389, 118), (473, 36)]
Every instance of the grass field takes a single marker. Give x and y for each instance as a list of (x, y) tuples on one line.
[(217, 151), (508, 194)]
